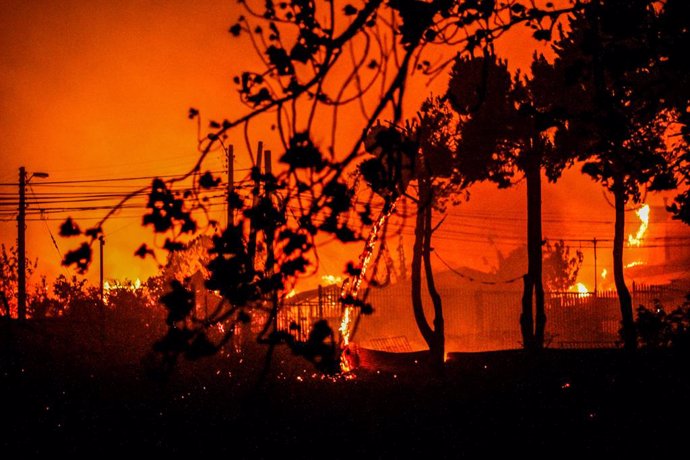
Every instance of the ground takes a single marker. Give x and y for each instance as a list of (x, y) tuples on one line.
[(63, 393)]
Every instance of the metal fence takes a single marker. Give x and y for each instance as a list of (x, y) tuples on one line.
[(301, 311), (475, 319)]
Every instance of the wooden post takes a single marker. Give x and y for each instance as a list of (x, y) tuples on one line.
[(21, 247), (231, 185), (256, 172)]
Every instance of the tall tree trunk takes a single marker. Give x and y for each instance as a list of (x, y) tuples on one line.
[(533, 317), (438, 351), (526, 317), (629, 334), (434, 337)]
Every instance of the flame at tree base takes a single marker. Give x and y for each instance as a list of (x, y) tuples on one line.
[(351, 289)]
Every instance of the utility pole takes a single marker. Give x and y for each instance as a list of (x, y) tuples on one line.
[(268, 238), (101, 240), (231, 186), (21, 240), (256, 172), (21, 246), (270, 256), (596, 273)]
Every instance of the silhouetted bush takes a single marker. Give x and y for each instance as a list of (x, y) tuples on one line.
[(658, 329)]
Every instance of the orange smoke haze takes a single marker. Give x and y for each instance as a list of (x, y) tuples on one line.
[(100, 90)]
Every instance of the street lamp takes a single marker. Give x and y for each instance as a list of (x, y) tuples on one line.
[(21, 240)]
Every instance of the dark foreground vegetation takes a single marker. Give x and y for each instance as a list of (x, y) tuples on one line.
[(90, 389)]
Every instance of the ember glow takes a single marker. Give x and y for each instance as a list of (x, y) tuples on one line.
[(643, 215), (634, 264)]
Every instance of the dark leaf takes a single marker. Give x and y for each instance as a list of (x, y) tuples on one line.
[(302, 153), (93, 232), (293, 241), (69, 228), (352, 270), (430, 35), (261, 96), (179, 302), (207, 180), (279, 58), (235, 30), (349, 10), (345, 234), (294, 266), (173, 246), (518, 8), (143, 251), (300, 53), (542, 34), (80, 257)]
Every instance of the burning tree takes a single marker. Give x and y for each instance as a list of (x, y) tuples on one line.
[(425, 153)]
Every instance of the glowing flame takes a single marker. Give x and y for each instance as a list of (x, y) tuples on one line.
[(352, 287), (643, 215), (604, 272), (582, 290), (634, 264), (137, 283), (345, 326), (331, 279), (292, 293)]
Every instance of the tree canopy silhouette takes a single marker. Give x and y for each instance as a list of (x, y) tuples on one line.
[(510, 123), (605, 67), (318, 58)]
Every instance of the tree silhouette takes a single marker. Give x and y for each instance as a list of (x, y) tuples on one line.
[(9, 265), (672, 87), (604, 66), (560, 269), (509, 126), (424, 153), (317, 59)]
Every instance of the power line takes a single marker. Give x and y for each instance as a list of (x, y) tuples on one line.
[(52, 238)]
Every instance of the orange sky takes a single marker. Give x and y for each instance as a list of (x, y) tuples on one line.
[(100, 89)]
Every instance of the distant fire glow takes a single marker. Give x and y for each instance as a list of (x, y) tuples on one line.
[(643, 215), (331, 279), (115, 285), (634, 264), (604, 272), (581, 290)]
